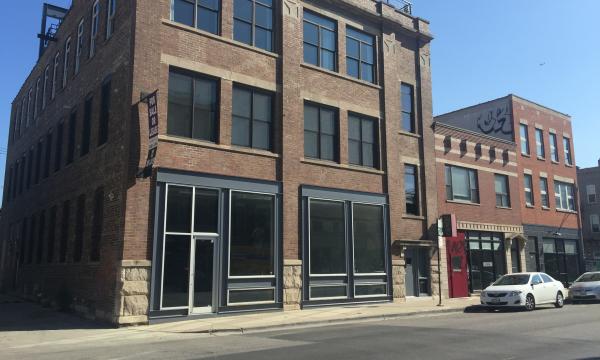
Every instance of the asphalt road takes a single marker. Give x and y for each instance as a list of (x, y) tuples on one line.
[(569, 333)]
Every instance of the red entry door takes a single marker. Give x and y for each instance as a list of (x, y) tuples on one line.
[(457, 266)]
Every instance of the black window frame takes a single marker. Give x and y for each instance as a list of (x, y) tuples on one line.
[(360, 59), (502, 199), (38, 162), (362, 142), (58, 152), (72, 137), (253, 24), (319, 133), (253, 91), (196, 4), (104, 121), (413, 207), (48, 154), (411, 114), (528, 193), (215, 104), (474, 196), (319, 46), (86, 129)]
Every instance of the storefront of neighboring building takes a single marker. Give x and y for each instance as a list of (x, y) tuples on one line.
[(589, 195)]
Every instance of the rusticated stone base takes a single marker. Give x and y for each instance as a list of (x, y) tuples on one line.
[(134, 290), (398, 272), (292, 284)]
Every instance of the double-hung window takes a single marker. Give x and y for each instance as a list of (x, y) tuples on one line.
[(540, 147), (94, 28), (528, 186), (110, 17), (411, 194), (201, 14), (461, 184), (595, 222), (46, 75), (79, 46), (252, 118), (564, 196), (567, 148), (363, 141), (502, 191), (320, 132), (524, 132), (36, 101), (408, 115), (55, 74), (193, 105), (320, 45), (253, 23), (66, 62), (553, 147), (360, 55), (591, 193), (544, 199)]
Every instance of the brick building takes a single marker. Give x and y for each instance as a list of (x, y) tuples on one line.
[(294, 149), (530, 152), (589, 197)]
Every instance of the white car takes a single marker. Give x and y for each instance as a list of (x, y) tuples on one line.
[(524, 290), (586, 287)]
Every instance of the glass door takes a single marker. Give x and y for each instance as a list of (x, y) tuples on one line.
[(202, 275)]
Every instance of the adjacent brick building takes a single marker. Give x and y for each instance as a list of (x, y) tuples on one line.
[(589, 196), (527, 149), (294, 168)]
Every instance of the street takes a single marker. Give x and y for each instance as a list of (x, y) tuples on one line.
[(547, 333)]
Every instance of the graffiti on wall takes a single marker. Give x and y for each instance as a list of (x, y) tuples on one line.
[(494, 121)]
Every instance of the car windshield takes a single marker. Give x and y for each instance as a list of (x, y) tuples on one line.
[(512, 280), (589, 277)]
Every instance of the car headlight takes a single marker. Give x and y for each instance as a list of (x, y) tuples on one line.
[(515, 293)]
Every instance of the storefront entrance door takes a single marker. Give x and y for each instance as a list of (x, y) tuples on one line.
[(417, 271), (457, 266), (202, 275)]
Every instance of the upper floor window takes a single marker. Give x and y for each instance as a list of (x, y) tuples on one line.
[(86, 128), (408, 115), (591, 193), (193, 105), (524, 132), (253, 23), (37, 95), (502, 191), (461, 184), (46, 75), (58, 153), (201, 14), (104, 113), (360, 55), (411, 181), (110, 17), (564, 196), (95, 25), (79, 46), (252, 118), (66, 62), (528, 185), (567, 148), (29, 104), (320, 132), (320, 44), (363, 141), (55, 74), (595, 223), (540, 147), (544, 198), (553, 147)]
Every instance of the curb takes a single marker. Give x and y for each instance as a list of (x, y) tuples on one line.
[(384, 317)]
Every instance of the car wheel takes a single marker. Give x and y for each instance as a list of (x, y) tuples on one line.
[(530, 303), (560, 300)]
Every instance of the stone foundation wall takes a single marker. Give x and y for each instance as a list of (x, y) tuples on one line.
[(398, 279), (292, 284), (133, 286)]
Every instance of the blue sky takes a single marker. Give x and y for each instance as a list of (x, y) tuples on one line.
[(482, 50)]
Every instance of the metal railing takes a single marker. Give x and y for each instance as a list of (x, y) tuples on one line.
[(402, 5)]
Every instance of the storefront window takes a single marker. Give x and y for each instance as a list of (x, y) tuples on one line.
[(179, 210), (327, 237), (252, 226), (561, 260), (369, 252), (486, 259)]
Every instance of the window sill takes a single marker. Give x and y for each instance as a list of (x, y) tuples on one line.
[(504, 207), (413, 217), (566, 211), (342, 76), (569, 165), (463, 202), (526, 155), (341, 166), (406, 133), (545, 208), (540, 158), (529, 206), (218, 38), (555, 162), (210, 145)]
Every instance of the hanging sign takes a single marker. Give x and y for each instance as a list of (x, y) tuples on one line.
[(152, 101)]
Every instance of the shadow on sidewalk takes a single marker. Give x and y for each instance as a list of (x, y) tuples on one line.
[(19, 315)]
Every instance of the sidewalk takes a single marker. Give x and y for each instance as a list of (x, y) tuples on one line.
[(310, 317)]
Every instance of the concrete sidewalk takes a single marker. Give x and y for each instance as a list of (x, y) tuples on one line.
[(242, 323)]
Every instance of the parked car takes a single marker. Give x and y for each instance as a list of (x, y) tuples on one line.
[(523, 290), (586, 287)]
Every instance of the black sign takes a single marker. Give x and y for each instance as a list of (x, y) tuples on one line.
[(152, 101), (449, 225)]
